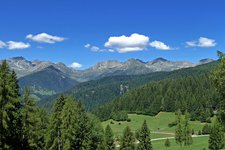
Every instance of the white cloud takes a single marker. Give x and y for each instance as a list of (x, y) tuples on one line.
[(2, 44), (87, 45), (45, 38), (202, 42), (97, 49), (160, 45), (75, 65), (123, 44), (17, 45)]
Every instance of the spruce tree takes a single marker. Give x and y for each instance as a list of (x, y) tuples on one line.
[(216, 138), (128, 140), (144, 138), (53, 138), (69, 126), (97, 135), (109, 138), (178, 130), (10, 130), (187, 134), (219, 80), (29, 114), (83, 130)]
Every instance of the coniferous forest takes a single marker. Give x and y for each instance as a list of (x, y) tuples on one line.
[(25, 125)]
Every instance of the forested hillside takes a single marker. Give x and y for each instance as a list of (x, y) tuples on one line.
[(99, 92), (188, 89)]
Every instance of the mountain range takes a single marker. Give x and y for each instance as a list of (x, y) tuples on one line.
[(46, 78), (24, 67)]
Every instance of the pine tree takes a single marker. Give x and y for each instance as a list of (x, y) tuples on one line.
[(187, 134), (69, 126), (178, 131), (53, 139), (10, 130), (83, 130), (109, 138), (167, 143), (219, 80), (144, 138), (128, 140), (29, 121), (216, 138), (97, 135)]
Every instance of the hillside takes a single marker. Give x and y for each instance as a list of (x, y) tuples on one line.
[(188, 89), (47, 82), (98, 92)]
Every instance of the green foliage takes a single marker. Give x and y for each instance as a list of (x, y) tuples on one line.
[(10, 119), (178, 131), (216, 138), (127, 142), (120, 116), (187, 133), (109, 138), (206, 129), (144, 138), (53, 138), (29, 113)]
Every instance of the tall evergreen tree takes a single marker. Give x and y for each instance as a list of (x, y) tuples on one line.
[(178, 130), (69, 125), (53, 139), (83, 130), (29, 114), (109, 138), (216, 138), (97, 135), (144, 138), (128, 140), (10, 130), (187, 133), (219, 80)]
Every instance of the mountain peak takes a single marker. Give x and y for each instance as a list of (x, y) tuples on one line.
[(205, 60), (18, 58), (160, 59)]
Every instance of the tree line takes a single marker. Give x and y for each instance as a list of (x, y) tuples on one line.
[(25, 126)]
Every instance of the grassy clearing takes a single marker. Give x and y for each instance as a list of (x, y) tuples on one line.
[(157, 124)]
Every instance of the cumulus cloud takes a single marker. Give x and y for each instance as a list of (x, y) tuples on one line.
[(123, 44), (75, 65), (45, 38), (17, 45), (97, 49), (160, 45), (87, 45), (2, 44), (202, 42)]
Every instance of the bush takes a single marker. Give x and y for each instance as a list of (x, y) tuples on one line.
[(172, 124), (128, 120)]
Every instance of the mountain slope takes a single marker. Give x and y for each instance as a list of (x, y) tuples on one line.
[(189, 89), (48, 81), (99, 92)]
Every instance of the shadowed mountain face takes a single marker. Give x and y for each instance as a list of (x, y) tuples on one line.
[(24, 67)]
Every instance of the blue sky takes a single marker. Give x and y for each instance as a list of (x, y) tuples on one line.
[(87, 31)]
